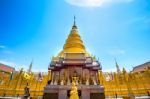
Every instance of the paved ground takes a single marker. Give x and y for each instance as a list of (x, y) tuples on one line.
[(9, 98), (18, 98), (142, 97)]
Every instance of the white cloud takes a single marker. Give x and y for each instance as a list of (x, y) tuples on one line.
[(15, 65), (40, 70), (2, 46), (7, 63), (117, 52), (5, 50), (109, 70), (19, 66), (95, 3), (138, 19), (8, 52)]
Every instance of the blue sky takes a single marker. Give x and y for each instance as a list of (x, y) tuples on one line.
[(37, 29)]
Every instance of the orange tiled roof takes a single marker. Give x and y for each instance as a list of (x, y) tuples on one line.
[(6, 68)]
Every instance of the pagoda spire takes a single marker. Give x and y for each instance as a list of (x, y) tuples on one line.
[(74, 23), (74, 20), (30, 67), (117, 66)]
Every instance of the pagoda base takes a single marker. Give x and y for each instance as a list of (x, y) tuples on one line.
[(85, 92)]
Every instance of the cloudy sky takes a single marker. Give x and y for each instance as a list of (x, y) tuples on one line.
[(37, 29)]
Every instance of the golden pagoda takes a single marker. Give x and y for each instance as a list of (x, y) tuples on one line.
[(74, 64), (74, 43)]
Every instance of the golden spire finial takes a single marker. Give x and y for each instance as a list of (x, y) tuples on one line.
[(74, 20), (74, 24)]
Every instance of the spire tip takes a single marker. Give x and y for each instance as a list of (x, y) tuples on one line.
[(74, 24), (74, 20)]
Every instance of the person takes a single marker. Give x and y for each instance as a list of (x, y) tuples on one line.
[(116, 95), (148, 93), (26, 92), (48, 82)]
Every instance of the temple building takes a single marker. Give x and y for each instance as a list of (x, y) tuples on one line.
[(74, 63), (6, 68), (141, 68)]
